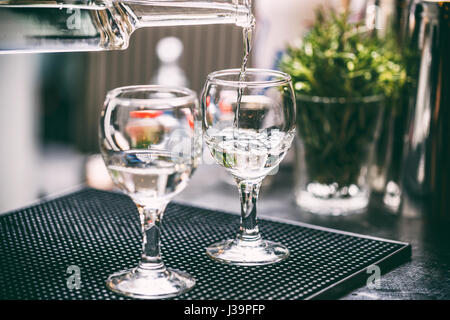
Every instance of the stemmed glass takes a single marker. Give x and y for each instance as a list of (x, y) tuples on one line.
[(150, 142), (248, 125)]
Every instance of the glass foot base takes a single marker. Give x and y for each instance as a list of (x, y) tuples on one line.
[(247, 253), (150, 284)]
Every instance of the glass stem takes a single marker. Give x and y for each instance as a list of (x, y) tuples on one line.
[(248, 192), (151, 219)]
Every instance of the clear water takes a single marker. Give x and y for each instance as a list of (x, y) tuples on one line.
[(253, 154), (149, 177), (31, 28)]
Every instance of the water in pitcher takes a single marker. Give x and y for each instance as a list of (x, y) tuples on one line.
[(92, 25)]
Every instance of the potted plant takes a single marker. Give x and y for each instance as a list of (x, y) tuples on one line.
[(344, 78)]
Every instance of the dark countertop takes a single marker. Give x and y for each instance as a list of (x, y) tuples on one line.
[(426, 276)]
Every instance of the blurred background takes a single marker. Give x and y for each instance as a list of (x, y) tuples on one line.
[(50, 103)]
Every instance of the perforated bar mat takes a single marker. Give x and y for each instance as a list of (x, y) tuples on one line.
[(99, 233)]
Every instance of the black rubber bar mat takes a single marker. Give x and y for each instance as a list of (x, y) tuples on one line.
[(97, 233)]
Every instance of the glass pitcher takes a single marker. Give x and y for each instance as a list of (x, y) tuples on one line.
[(93, 25)]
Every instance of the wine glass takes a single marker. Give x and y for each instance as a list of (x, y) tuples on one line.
[(150, 142), (248, 125)]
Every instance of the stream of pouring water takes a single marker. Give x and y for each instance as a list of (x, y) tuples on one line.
[(247, 34)]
